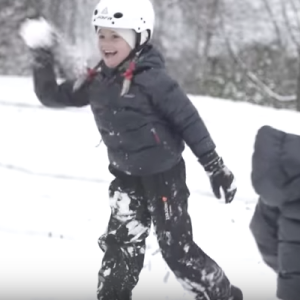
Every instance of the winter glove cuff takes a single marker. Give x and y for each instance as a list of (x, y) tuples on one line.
[(210, 161)]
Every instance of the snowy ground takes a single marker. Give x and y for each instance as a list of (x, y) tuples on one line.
[(54, 204)]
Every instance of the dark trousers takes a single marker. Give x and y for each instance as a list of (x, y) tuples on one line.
[(161, 199)]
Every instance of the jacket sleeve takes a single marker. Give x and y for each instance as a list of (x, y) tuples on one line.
[(49, 92), (288, 251), (264, 228), (177, 108)]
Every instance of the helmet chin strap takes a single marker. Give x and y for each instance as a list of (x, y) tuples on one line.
[(131, 61)]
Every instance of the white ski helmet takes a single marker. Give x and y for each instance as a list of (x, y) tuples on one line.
[(138, 15)]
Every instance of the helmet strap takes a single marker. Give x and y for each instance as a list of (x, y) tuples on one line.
[(135, 53), (138, 40), (130, 62)]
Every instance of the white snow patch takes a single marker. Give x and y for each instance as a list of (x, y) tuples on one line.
[(107, 272)]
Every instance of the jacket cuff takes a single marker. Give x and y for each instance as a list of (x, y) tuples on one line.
[(209, 158)]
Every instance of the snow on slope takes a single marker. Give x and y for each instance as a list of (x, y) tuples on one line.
[(54, 204)]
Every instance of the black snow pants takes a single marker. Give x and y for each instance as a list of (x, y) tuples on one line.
[(161, 199)]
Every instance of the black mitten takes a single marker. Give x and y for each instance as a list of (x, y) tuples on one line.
[(220, 176)]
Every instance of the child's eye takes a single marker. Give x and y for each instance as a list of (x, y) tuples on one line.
[(101, 37), (115, 36)]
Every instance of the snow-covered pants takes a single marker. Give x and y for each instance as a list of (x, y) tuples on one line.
[(162, 199)]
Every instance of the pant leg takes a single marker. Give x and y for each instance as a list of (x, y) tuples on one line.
[(124, 241), (264, 227), (167, 196)]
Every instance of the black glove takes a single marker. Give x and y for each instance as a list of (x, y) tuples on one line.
[(220, 176), (42, 57)]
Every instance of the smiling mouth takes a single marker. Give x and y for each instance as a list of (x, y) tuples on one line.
[(109, 54)]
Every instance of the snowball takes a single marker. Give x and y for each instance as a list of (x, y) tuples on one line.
[(37, 33)]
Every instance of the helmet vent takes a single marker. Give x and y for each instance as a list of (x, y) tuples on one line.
[(118, 15)]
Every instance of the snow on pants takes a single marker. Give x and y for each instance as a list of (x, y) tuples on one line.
[(161, 199)]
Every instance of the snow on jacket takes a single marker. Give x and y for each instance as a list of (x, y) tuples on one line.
[(145, 129)]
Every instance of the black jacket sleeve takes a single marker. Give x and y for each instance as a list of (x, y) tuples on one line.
[(264, 227), (48, 91), (177, 108)]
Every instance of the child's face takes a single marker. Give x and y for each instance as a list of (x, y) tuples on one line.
[(114, 49)]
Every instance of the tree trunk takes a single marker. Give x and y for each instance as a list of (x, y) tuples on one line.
[(298, 84)]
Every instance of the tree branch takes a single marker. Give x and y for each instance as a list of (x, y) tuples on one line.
[(288, 25), (295, 9), (274, 22)]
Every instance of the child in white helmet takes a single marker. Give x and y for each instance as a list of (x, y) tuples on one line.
[(144, 119)]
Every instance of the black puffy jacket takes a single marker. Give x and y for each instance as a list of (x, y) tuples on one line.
[(144, 130), (276, 221)]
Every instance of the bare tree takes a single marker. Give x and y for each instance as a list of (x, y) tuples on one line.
[(278, 29), (274, 22), (12, 13), (200, 21), (294, 32)]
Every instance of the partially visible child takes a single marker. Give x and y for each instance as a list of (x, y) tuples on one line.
[(144, 119), (276, 221)]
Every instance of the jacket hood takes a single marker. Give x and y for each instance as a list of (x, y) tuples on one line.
[(276, 166)]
